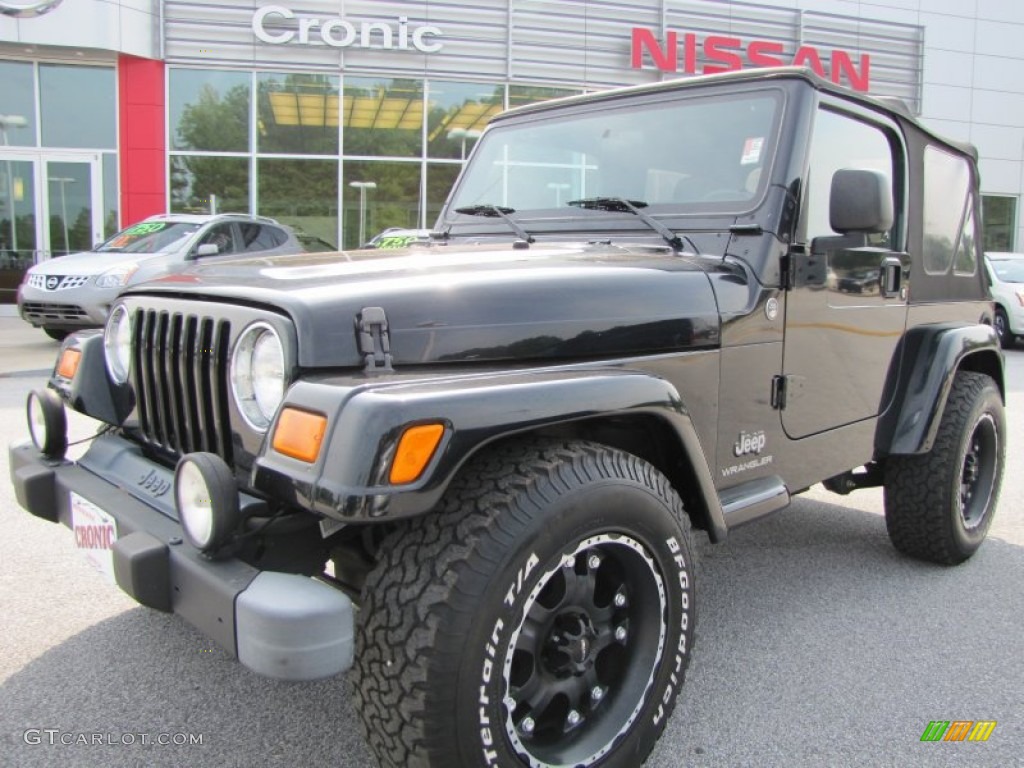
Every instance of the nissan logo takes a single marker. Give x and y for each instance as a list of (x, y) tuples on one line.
[(26, 9), (52, 283)]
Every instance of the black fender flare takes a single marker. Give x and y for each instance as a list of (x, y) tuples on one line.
[(930, 357), (478, 410)]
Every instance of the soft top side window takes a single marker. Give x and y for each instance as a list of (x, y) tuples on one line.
[(842, 142), (949, 228)]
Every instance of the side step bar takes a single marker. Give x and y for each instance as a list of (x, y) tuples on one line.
[(749, 501)]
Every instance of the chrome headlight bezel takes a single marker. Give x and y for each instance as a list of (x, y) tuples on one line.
[(257, 372), (117, 344)]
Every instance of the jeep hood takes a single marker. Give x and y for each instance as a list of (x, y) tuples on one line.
[(467, 304)]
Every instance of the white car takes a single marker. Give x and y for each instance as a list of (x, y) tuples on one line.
[(1006, 274), (75, 291)]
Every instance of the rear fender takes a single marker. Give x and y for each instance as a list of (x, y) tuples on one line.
[(932, 354)]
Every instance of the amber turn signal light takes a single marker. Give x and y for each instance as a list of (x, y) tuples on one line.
[(67, 366), (415, 450), (299, 434)]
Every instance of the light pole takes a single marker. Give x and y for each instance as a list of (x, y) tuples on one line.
[(463, 135), (362, 186), (11, 121), (63, 181)]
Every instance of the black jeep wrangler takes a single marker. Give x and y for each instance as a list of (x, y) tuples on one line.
[(470, 471)]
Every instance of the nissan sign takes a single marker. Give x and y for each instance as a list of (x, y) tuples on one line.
[(24, 9)]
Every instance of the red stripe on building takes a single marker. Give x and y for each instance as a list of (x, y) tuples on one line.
[(143, 163)]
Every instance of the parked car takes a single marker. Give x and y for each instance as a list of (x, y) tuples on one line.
[(396, 237), (1006, 274), (75, 291)]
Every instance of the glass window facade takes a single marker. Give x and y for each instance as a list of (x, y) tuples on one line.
[(1000, 217), (332, 156), (78, 104), (300, 193), (205, 183), (297, 114), (59, 185), (209, 110), (18, 106)]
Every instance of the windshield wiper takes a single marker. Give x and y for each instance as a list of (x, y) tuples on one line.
[(494, 210), (633, 206)]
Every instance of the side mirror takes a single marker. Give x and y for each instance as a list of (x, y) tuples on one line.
[(207, 249), (860, 201)]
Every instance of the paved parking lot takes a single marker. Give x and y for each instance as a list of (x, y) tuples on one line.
[(817, 645)]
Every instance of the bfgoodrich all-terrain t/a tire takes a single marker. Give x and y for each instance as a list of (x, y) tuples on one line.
[(939, 505), (543, 616)]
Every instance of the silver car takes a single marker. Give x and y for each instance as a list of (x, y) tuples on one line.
[(1006, 277), (75, 291)]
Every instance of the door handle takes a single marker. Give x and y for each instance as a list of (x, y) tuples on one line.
[(890, 277)]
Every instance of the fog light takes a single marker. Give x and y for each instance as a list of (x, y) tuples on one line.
[(207, 500), (47, 423)]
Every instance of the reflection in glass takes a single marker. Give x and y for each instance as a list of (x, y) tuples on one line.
[(457, 113), (706, 153), (209, 110), (111, 201), (394, 202), (518, 95), (302, 194), (383, 117), (68, 189), (440, 179), (298, 114), (17, 108), (947, 180), (17, 225), (78, 104), (207, 184)]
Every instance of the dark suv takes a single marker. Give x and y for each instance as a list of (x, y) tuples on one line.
[(644, 311)]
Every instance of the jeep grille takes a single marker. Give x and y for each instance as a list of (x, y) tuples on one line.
[(180, 374)]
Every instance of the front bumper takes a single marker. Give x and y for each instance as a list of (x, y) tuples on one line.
[(281, 625), (84, 306)]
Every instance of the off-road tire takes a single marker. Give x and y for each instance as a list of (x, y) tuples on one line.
[(489, 596), (939, 505)]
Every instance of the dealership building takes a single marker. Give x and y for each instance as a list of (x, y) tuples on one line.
[(335, 115)]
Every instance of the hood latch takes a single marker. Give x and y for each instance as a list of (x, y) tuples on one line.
[(374, 339)]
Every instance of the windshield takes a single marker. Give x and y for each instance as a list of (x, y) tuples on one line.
[(1009, 271), (149, 237), (690, 153)]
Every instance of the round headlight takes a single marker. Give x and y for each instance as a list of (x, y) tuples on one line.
[(206, 499), (257, 374), (117, 344)]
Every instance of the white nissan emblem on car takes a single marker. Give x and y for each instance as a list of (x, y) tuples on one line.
[(52, 283), (24, 9)]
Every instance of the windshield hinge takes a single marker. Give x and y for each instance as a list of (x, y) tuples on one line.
[(374, 339), (787, 265), (779, 393)]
